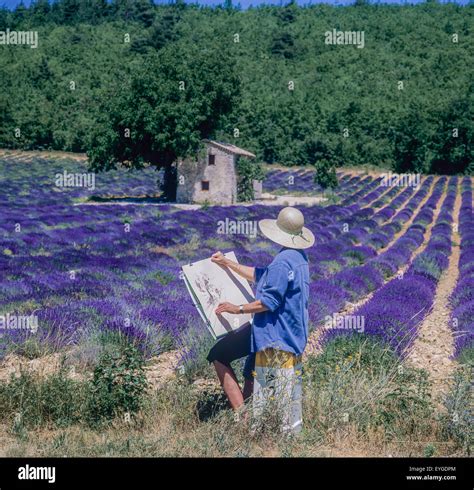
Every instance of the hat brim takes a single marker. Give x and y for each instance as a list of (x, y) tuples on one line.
[(273, 232)]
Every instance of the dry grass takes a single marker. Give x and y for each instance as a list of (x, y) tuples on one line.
[(164, 433)]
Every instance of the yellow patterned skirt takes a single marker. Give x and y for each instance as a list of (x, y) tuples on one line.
[(277, 388)]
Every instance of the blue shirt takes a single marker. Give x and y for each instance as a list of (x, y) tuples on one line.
[(283, 287)]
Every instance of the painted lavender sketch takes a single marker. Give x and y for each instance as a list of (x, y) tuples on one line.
[(210, 285)]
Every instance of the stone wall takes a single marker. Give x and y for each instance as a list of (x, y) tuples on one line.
[(257, 189), (221, 177)]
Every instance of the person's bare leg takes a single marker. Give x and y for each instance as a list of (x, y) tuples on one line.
[(248, 388), (230, 384)]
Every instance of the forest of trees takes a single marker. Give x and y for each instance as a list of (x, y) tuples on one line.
[(130, 81)]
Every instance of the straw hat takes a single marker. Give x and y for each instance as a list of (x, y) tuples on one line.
[(288, 229)]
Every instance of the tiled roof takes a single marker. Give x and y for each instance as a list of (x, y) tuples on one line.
[(230, 148)]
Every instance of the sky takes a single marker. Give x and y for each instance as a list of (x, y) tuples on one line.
[(246, 3)]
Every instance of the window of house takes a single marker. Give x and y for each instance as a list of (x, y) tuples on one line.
[(204, 185), (211, 159)]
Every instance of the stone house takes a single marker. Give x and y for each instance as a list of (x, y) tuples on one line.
[(212, 176)]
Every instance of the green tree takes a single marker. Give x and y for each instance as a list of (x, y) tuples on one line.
[(144, 12), (167, 107), (70, 10), (454, 143), (165, 27), (411, 141), (283, 45), (325, 174), (121, 9), (4, 18), (20, 14), (41, 10), (93, 11), (247, 171)]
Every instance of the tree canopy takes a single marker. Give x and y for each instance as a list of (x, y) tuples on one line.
[(106, 77)]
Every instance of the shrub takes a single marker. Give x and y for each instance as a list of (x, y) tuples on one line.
[(457, 423), (325, 174), (118, 386)]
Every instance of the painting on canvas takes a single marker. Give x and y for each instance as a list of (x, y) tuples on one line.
[(210, 284)]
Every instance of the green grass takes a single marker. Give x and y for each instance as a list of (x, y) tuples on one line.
[(331, 266), (457, 421), (358, 396), (118, 387), (467, 357)]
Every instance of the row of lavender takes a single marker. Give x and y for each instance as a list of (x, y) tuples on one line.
[(362, 197), (330, 295), (302, 180), (396, 310), (462, 298), (359, 240)]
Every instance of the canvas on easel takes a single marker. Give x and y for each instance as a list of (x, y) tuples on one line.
[(210, 284)]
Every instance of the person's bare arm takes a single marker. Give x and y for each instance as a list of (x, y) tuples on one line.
[(243, 270), (254, 307)]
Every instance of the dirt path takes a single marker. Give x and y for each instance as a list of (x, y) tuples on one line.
[(22, 155), (434, 344), (158, 369), (313, 347), (269, 199), (162, 368), (14, 365)]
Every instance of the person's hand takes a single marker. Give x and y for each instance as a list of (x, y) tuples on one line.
[(219, 258), (227, 307)]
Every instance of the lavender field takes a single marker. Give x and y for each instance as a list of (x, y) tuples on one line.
[(93, 273), (85, 270)]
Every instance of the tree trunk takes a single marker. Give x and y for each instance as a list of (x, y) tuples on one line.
[(169, 183)]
